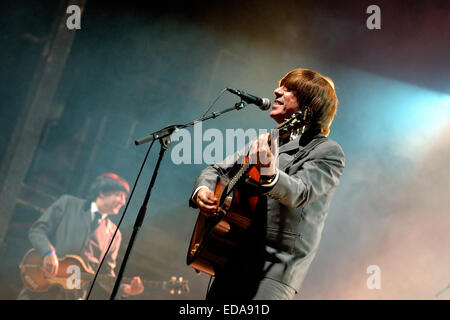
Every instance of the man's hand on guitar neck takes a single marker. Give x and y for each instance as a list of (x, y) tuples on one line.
[(206, 200), (261, 154), (50, 264), (135, 287)]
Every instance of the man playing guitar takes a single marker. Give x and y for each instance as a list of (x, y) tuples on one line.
[(74, 226), (277, 248)]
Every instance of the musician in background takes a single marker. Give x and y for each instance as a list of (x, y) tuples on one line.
[(277, 249), (81, 227)]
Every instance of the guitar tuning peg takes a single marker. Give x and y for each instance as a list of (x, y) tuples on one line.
[(179, 291), (180, 279), (172, 291)]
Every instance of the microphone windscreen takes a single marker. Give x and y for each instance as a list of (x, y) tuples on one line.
[(265, 104)]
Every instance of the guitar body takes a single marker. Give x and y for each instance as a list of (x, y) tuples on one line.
[(74, 274), (35, 279), (215, 237)]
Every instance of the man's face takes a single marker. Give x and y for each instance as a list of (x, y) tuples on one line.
[(285, 104), (111, 202)]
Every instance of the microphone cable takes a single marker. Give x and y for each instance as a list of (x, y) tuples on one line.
[(120, 221), (214, 102), (128, 202)]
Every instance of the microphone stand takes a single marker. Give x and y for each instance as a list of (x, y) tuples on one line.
[(443, 290), (163, 136)]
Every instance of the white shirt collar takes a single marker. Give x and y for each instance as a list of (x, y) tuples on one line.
[(94, 209)]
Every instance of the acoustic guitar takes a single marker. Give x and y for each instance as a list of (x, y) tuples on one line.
[(73, 274), (215, 236)]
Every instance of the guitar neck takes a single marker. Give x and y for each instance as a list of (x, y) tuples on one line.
[(147, 283)]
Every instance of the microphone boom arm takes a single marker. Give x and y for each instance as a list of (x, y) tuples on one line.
[(167, 131)]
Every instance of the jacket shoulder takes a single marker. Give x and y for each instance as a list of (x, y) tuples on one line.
[(68, 203), (70, 198), (329, 148)]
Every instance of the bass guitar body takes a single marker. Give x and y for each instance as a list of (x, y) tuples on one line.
[(68, 277), (73, 274)]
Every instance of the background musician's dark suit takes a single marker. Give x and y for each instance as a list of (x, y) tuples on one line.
[(276, 252), (77, 226)]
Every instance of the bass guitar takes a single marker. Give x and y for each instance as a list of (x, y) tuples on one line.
[(74, 274)]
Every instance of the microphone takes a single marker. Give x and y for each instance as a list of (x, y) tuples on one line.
[(262, 103)]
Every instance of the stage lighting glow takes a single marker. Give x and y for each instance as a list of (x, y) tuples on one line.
[(392, 117)]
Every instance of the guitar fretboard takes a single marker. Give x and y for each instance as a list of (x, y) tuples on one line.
[(237, 177)]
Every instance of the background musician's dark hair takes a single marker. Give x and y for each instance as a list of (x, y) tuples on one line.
[(107, 182)]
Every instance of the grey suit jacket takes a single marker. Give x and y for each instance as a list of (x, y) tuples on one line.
[(296, 206)]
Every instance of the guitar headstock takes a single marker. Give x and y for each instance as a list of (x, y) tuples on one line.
[(177, 285), (299, 121)]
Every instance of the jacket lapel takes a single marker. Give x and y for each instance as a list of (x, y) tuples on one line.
[(286, 153)]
